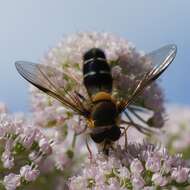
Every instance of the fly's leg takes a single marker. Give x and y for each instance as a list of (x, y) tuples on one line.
[(88, 148), (125, 133)]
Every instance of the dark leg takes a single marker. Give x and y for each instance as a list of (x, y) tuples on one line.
[(88, 148), (125, 133), (106, 147)]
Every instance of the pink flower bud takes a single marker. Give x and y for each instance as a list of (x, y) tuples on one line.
[(8, 160), (180, 175), (153, 163), (28, 173), (44, 146), (136, 166), (159, 180), (11, 181), (138, 182)]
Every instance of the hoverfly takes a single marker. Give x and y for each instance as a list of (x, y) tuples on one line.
[(100, 109)]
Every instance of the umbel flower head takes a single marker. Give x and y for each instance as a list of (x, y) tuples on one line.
[(127, 64), (140, 166), (136, 167), (23, 148), (32, 157), (176, 132)]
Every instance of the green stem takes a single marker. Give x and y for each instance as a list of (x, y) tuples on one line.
[(74, 140)]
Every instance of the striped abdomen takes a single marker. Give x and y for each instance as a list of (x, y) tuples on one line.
[(96, 72), (104, 114)]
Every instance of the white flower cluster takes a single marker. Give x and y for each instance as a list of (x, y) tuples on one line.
[(128, 66), (141, 166), (27, 154), (176, 132), (23, 148)]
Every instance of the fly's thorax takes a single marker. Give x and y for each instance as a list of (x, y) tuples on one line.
[(96, 72), (104, 113)]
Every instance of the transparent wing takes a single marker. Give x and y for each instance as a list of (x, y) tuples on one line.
[(163, 55), (138, 117), (140, 113), (160, 59), (52, 82)]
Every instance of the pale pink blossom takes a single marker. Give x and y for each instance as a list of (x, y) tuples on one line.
[(11, 181), (180, 174), (138, 182), (28, 136), (45, 146), (29, 173), (159, 180), (136, 166), (153, 162), (124, 173), (7, 159), (19, 140), (100, 172)]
